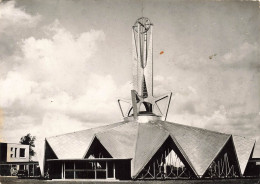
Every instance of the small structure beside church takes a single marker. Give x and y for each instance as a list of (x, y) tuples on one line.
[(15, 157)]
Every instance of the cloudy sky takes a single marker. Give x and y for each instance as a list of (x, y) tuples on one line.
[(64, 64)]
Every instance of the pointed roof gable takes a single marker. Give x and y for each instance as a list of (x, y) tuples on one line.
[(74, 145), (150, 138), (244, 147), (201, 146), (140, 141)]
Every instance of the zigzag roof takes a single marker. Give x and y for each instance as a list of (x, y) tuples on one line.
[(140, 141), (244, 147)]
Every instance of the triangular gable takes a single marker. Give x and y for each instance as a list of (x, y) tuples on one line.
[(168, 161), (149, 140), (97, 150), (201, 146), (183, 154), (244, 148), (49, 153), (225, 164), (74, 145)]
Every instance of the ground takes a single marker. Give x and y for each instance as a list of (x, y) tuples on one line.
[(11, 180)]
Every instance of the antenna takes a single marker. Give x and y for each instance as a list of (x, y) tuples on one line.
[(142, 7)]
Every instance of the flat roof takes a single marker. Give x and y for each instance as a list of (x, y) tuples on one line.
[(90, 159)]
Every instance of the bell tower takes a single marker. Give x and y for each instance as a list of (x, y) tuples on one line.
[(142, 102)]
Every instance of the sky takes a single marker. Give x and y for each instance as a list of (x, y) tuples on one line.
[(64, 64)]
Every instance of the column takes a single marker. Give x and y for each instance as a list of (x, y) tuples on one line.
[(62, 177), (28, 168), (64, 170), (33, 169), (95, 167), (74, 171), (154, 170), (114, 170), (106, 170)]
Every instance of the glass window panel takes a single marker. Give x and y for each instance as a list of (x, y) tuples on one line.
[(101, 174), (110, 169), (91, 165), (101, 165), (81, 174), (69, 165), (21, 167), (69, 175), (90, 174), (22, 152), (15, 150), (81, 165)]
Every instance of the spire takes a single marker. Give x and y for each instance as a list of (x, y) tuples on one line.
[(142, 93)]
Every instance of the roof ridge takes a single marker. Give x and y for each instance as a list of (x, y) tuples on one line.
[(103, 131), (85, 129), (135, 145), (193, 127), (159, 125)]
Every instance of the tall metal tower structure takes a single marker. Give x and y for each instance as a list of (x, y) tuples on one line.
[(143, 102)]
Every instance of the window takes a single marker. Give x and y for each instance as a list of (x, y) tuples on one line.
[(15, 150), (22, 152), (21, 167), (12, 148), (12, 155)]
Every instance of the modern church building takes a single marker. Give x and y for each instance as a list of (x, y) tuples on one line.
[(144, 145)]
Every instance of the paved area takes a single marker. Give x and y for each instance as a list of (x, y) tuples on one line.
[(14, 180)]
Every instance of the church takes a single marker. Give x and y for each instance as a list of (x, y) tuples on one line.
[(145, 145)]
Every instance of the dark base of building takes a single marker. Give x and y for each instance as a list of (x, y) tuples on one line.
[(31, 169), (92, 169)]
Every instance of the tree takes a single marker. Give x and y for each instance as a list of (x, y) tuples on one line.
[(29, 140)]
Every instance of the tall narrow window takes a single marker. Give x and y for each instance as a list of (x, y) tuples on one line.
[(22, 152), (15, 150)]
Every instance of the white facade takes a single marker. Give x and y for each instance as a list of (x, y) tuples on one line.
[(17, 153)]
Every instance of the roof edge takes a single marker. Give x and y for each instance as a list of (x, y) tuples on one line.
[(151, 155), (183, 154), (85, 153), (240, 172), (217, 154)]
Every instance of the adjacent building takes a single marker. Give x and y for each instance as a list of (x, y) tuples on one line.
[(14, 157)]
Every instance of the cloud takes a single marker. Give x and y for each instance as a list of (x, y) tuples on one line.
[(243, 56), (198, 102), (57, 123), (62, 59), (14, 87), (53, 81), (13, 16)]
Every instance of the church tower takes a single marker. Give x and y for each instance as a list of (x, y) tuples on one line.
[(142, 102)]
